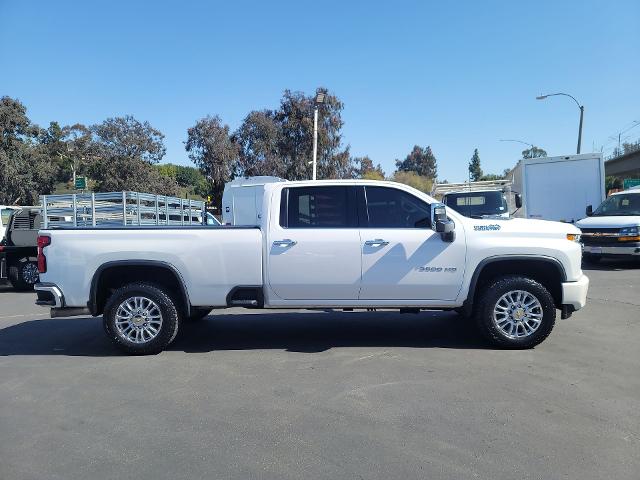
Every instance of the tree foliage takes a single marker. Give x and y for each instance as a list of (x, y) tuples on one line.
[(612, 183), (259, 139), (629, 147), (420, 160), (534, 152), (496, 176), (211, 148), (26, 170), (413, 179), (475, 170), (364, 169), (122, 153), (189, 179)]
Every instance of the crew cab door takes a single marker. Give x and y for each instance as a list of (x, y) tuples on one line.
[(314, 246), (402, 257)]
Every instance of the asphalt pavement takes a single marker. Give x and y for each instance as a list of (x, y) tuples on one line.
[(362, 395)]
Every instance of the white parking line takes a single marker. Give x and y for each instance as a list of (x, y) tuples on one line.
[(25, 315)]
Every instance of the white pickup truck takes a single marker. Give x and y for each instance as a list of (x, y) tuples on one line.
[(322, 244)]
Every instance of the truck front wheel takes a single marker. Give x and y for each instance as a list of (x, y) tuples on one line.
[(23, 274), (141, 318), (515, 312)]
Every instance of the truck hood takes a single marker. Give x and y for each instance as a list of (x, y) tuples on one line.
[(531, 227), (616, 221)]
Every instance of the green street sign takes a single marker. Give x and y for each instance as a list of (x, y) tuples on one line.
[(630, 182), (81, 183)]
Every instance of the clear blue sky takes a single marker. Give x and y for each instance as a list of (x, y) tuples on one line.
[(453, 75)]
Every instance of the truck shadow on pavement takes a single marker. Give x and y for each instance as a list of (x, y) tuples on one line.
[(307, 332)]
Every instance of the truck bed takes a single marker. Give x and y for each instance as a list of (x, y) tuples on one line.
[(210, 260)]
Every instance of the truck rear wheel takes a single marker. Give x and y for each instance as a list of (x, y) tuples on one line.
[(141, 318), (23, 274), (515, 312)]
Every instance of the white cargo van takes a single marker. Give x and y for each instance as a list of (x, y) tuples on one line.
[(559, 188), (242, 200)]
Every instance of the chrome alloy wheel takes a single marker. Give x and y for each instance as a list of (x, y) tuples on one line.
[(138, 319), (30, 273), (518, 314)]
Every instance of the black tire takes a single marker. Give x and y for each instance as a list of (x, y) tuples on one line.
[(492, 294), (590, 259), (198, 313), (23, 274), (167, 331)]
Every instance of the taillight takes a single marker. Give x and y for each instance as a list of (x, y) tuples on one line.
[(43, 241)]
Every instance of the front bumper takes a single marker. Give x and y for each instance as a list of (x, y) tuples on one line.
[(574, 294), (633, 249), (49, 295)]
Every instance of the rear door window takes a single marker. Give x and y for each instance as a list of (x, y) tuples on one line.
[(318, 207)]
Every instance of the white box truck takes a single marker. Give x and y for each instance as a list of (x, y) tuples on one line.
[(559, 188), (242, 200)]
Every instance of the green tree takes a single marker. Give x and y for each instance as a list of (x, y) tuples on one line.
[(259, 139), (630, 147), (419, 182), (534, 152), (214, 152), (612, 183), (475, 171), (125, 151), (26, 170), (366, 170), (420, 160), (295, 146)]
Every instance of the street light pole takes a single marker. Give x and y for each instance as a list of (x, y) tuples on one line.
[(319, 100), (315, 140), (581, 107), (580, 127)]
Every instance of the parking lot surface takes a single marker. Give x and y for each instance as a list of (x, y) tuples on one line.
[(324, 395)]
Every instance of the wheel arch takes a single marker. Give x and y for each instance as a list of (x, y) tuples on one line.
[(154, 271), (548, 271)]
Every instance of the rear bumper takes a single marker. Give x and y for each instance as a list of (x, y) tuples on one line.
[(574, 294), (49, 295)]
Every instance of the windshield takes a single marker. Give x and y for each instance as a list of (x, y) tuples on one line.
[(619, 205), (477, 203)]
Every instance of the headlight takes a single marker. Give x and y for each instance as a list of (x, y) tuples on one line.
[(629, 234), (574, 237)]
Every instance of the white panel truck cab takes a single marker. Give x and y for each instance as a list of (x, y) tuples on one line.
[(483, 199), (344, 244), (613, 229), (242, 200)]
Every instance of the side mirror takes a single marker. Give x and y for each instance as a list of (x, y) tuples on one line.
[(518, 200), (589, 210), (440, 223)]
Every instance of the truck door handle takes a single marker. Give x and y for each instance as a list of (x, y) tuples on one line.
[(376, 242), (284, 243)]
